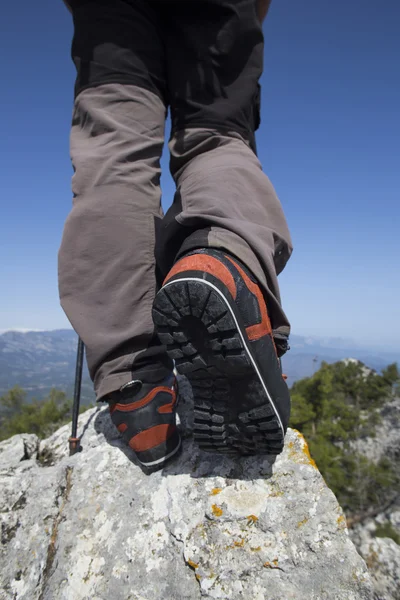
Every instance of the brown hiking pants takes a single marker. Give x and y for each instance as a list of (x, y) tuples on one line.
[(134, 59)]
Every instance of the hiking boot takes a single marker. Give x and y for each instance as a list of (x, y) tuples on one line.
[(212, 317), (145, 415)]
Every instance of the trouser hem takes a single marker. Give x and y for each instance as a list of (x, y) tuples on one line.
[(111, 383), (230, 242)]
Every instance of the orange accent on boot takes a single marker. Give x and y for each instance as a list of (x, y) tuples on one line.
[(122, 428), (151, 437), (208, 264), (112, 408), (255, 332), (139, 403), (168, 408)]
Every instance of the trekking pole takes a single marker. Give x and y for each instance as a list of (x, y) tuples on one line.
[(74, 442)]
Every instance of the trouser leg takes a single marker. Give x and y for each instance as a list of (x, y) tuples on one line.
[(106, 261), (224, 199), (227, 202)]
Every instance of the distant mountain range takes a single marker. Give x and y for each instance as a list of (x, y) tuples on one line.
[(40, 360), (307, 353)]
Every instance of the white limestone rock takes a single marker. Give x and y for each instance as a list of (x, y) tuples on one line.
[(94, 526)]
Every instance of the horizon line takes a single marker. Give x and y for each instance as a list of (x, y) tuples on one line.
[(352, 344)]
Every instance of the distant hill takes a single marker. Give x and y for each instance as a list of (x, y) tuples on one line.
[(40, 360), (307, 353)]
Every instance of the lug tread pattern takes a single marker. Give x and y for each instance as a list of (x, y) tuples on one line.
[(198, 330)]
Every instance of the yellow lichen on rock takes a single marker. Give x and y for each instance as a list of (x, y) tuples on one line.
[(217, 511), (236, 544), (304, 457), (252, 519), (272, 565), (303, 522), (341, 521), (216, 491), (306, 451), (275, 494)]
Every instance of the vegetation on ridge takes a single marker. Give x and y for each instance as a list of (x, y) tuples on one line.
[(41, 417), (334, 408)]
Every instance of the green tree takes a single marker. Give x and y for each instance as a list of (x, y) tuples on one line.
[(391, 375), (41, 417), (13, 400), (336, 406)]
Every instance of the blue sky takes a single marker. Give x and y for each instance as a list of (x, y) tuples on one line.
[(329, 141)]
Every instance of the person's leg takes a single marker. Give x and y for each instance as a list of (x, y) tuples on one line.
[(219, 310), (107, 267), (106, 260), (225, 192), (224, 200)]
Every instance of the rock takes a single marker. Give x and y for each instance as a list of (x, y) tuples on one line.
[(383, 559), (386, 441), (18, 448), (382, 554), (394, 519), (94, 526)]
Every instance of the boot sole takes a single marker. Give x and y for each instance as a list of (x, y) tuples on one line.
[(202, 331), (161, 462)]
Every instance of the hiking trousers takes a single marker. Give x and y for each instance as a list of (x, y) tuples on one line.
[(135, 59)]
